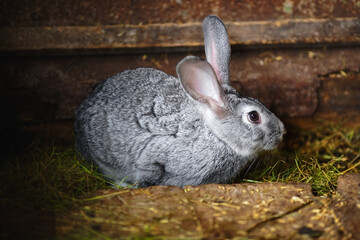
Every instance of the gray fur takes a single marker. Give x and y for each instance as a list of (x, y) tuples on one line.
[(146, 127), (217, 47)]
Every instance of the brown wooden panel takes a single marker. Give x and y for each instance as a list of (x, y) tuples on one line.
[(35, 13), (292, 83), (286, 31), (340, 91), (50, 81)]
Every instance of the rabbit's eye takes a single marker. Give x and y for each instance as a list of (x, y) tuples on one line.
[(254, 117)]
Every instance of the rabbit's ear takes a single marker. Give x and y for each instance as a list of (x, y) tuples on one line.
[(199, 81), (217, 47)]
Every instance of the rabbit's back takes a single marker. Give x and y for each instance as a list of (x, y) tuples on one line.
[(128, 114), (126, 104), (147, 127), (140, 126)]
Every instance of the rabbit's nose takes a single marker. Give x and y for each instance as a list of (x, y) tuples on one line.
[(282, 129)]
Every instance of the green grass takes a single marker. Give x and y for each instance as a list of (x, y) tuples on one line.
[(56, 178), (47, 178), (317, 157)]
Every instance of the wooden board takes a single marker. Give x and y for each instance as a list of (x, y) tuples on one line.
[(166, 35), (285, 52), (292, 82)]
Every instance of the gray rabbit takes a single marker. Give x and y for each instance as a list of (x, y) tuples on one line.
[(145, 127)]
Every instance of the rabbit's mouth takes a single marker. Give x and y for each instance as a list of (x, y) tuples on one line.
[(274, 139), (273, 143)]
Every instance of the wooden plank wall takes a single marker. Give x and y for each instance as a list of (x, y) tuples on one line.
[(298, 57)]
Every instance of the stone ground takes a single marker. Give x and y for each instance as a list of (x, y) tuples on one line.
[(239, 211)]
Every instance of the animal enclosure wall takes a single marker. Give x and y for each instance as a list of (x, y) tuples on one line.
[(299, 58)]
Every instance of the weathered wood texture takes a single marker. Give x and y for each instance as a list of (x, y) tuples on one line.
[(30, 13), (53, 52), (35, 25), (291, 82), (286, 31)]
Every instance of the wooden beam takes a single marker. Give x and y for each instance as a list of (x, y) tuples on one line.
[(165, 35), (291, 82)]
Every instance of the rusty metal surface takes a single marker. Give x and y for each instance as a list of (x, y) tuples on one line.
[(292, 83), (286, 31), (34, 13)]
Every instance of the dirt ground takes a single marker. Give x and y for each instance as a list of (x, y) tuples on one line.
[(238, 211), (251, 211), (229, 211)]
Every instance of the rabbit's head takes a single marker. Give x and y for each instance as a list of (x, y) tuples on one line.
[(243, 123)]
